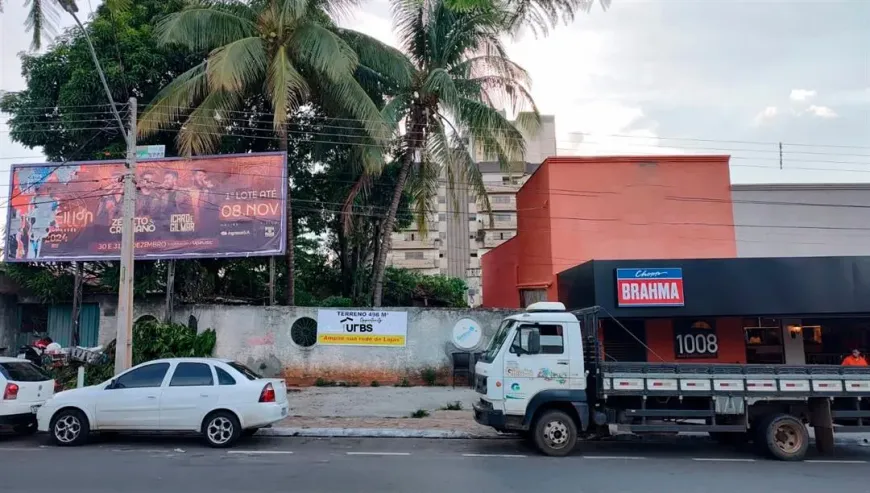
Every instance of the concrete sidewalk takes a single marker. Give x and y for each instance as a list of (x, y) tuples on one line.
[(387, 411)]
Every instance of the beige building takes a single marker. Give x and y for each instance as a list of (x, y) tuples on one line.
[(459, 231)]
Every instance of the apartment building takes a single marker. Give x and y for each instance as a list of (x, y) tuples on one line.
[(459, 231)]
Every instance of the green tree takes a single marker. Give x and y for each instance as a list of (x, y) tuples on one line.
[(460, 74), (285, 48), (537, 15)]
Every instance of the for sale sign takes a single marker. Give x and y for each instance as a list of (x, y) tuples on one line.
[(362, 327), (650, 287)]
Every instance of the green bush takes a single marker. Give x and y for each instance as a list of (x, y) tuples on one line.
[(429, 376)]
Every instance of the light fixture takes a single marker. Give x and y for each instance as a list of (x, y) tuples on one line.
[(794, 330)]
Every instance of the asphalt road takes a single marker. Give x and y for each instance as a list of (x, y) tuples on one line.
[(168, 465)]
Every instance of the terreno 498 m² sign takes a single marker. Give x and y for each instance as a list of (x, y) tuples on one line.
[(362, 327), (650, 287)]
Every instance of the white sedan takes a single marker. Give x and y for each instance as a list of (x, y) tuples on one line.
[(23, 388), (221, 399)]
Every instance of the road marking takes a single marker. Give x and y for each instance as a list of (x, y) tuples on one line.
[(517, 456), (146, 450), (379, 453), (837, 461), (612, 457), (259, 452), (18, 449), (721, 459)]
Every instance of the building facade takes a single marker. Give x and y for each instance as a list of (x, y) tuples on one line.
[(459, 231)]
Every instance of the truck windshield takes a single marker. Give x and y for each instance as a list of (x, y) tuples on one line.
[(496, 341)]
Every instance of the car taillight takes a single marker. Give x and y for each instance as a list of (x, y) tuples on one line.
[(58, 387), (268, 393), (11, 392)]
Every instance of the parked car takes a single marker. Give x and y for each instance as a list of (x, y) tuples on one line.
[(24, 387), (221, 399)]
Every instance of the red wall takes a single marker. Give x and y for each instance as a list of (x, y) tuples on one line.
[(576, 209), (660, 340)]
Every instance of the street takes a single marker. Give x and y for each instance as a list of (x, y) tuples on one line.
[(148, 464)]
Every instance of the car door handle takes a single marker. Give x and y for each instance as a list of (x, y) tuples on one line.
[(203, 395), (561, 362)]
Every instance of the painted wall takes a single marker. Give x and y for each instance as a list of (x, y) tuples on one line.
[(802, 220), (260, 338), (575, 209)]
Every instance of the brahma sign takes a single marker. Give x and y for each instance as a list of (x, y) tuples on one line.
[(650, 287), (209, 206)]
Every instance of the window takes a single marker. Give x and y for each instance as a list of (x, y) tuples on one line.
[(224, 378), (442, 200), (509, 180), (143, 377), (500, 199), (529, 296), (192, 375), (414, 256), (503, 217), (244, 370), (473, 254), (24, 371), (552, 341), (501, 236)]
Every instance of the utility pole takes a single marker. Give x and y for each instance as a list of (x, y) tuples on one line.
[(124, 337), (77, 304), (170, 290)]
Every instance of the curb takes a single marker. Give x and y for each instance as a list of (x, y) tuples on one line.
[(463, 435), (373, 433)]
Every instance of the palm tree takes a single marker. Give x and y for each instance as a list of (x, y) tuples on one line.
[(537, 15), (286, 49), (460, 74)]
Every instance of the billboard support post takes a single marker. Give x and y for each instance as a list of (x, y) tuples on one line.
[(124, 336)]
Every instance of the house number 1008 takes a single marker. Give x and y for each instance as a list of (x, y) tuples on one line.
[(697, 343)]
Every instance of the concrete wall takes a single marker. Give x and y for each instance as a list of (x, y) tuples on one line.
[(260, 338), (801, 220)]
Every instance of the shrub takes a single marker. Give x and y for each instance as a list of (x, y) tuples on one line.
[(429, 376)]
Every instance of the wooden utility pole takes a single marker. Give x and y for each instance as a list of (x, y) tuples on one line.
[(170, 291), (124, 341)]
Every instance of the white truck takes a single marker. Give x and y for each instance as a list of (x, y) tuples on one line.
[(543, 375)]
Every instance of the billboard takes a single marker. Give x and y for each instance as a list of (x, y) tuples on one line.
[(201, 207)]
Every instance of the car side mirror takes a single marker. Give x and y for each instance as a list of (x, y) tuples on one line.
[(111, 384), (534, 341)]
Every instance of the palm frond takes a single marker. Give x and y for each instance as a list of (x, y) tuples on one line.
[(323, 51), (236, 65), (202, 131), (541, 15), (396, 110), (422, 187), (286, 86), (42, 19), (439, 83), (347, 94), (207, 24), (496, 135), (176, 98), (379, 57)]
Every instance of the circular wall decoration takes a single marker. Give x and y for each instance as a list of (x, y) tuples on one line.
[(467, 334), (303, 332)]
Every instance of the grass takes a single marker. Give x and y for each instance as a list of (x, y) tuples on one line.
[(420, 413), (375, 383), (453, 406), (429, 376), (322, 382), (404, 383)]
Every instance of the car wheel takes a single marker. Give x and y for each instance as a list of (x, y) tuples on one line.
[(69, 427), (555, 434), (221, 429)]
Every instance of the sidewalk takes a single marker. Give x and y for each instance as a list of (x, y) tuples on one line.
[(386, 412)]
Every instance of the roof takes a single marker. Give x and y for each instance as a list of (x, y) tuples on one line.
[(787, 187)]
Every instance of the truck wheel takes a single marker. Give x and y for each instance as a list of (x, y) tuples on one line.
[(785, 437), (555, 433)]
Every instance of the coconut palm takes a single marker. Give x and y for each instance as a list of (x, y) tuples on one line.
[(537, 15), (286, 49), (461, 76)]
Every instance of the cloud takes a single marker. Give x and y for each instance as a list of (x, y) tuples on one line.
[(822, 111), (765, 115), (802, 94)]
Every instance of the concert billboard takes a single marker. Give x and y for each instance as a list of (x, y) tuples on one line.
[(200, 207)]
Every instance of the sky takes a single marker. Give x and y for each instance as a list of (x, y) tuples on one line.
[(666, 76)]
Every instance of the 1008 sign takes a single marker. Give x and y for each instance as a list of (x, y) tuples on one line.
[(696, 339)]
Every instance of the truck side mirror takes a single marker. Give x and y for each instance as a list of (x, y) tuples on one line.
[(534, 341)]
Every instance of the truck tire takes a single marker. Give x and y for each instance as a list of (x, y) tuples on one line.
[(555, 433), (784, 437)]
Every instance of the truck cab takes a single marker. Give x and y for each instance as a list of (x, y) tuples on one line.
[(534, 360)]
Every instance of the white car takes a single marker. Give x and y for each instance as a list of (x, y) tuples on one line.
[(221, 399), (24, 387)]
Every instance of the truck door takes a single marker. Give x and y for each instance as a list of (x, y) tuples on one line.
[(526, 374)]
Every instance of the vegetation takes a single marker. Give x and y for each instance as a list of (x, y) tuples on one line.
[(369, 130), (429, 376), (420, 413), (453, 406)]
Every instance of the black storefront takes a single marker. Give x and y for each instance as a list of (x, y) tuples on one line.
[(763, 310)]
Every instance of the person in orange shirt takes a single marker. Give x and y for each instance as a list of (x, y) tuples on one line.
[(854, 359)]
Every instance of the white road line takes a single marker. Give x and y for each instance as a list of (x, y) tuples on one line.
[(612, 457), (721, 459), (837, 461), (517, 456), (259, 452), (19, 449), (379, 453)]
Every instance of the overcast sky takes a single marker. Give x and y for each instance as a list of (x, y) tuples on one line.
[(669, 76)]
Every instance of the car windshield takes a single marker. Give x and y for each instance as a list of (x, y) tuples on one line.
[(496, 341), (244, 370), (24, 371)]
